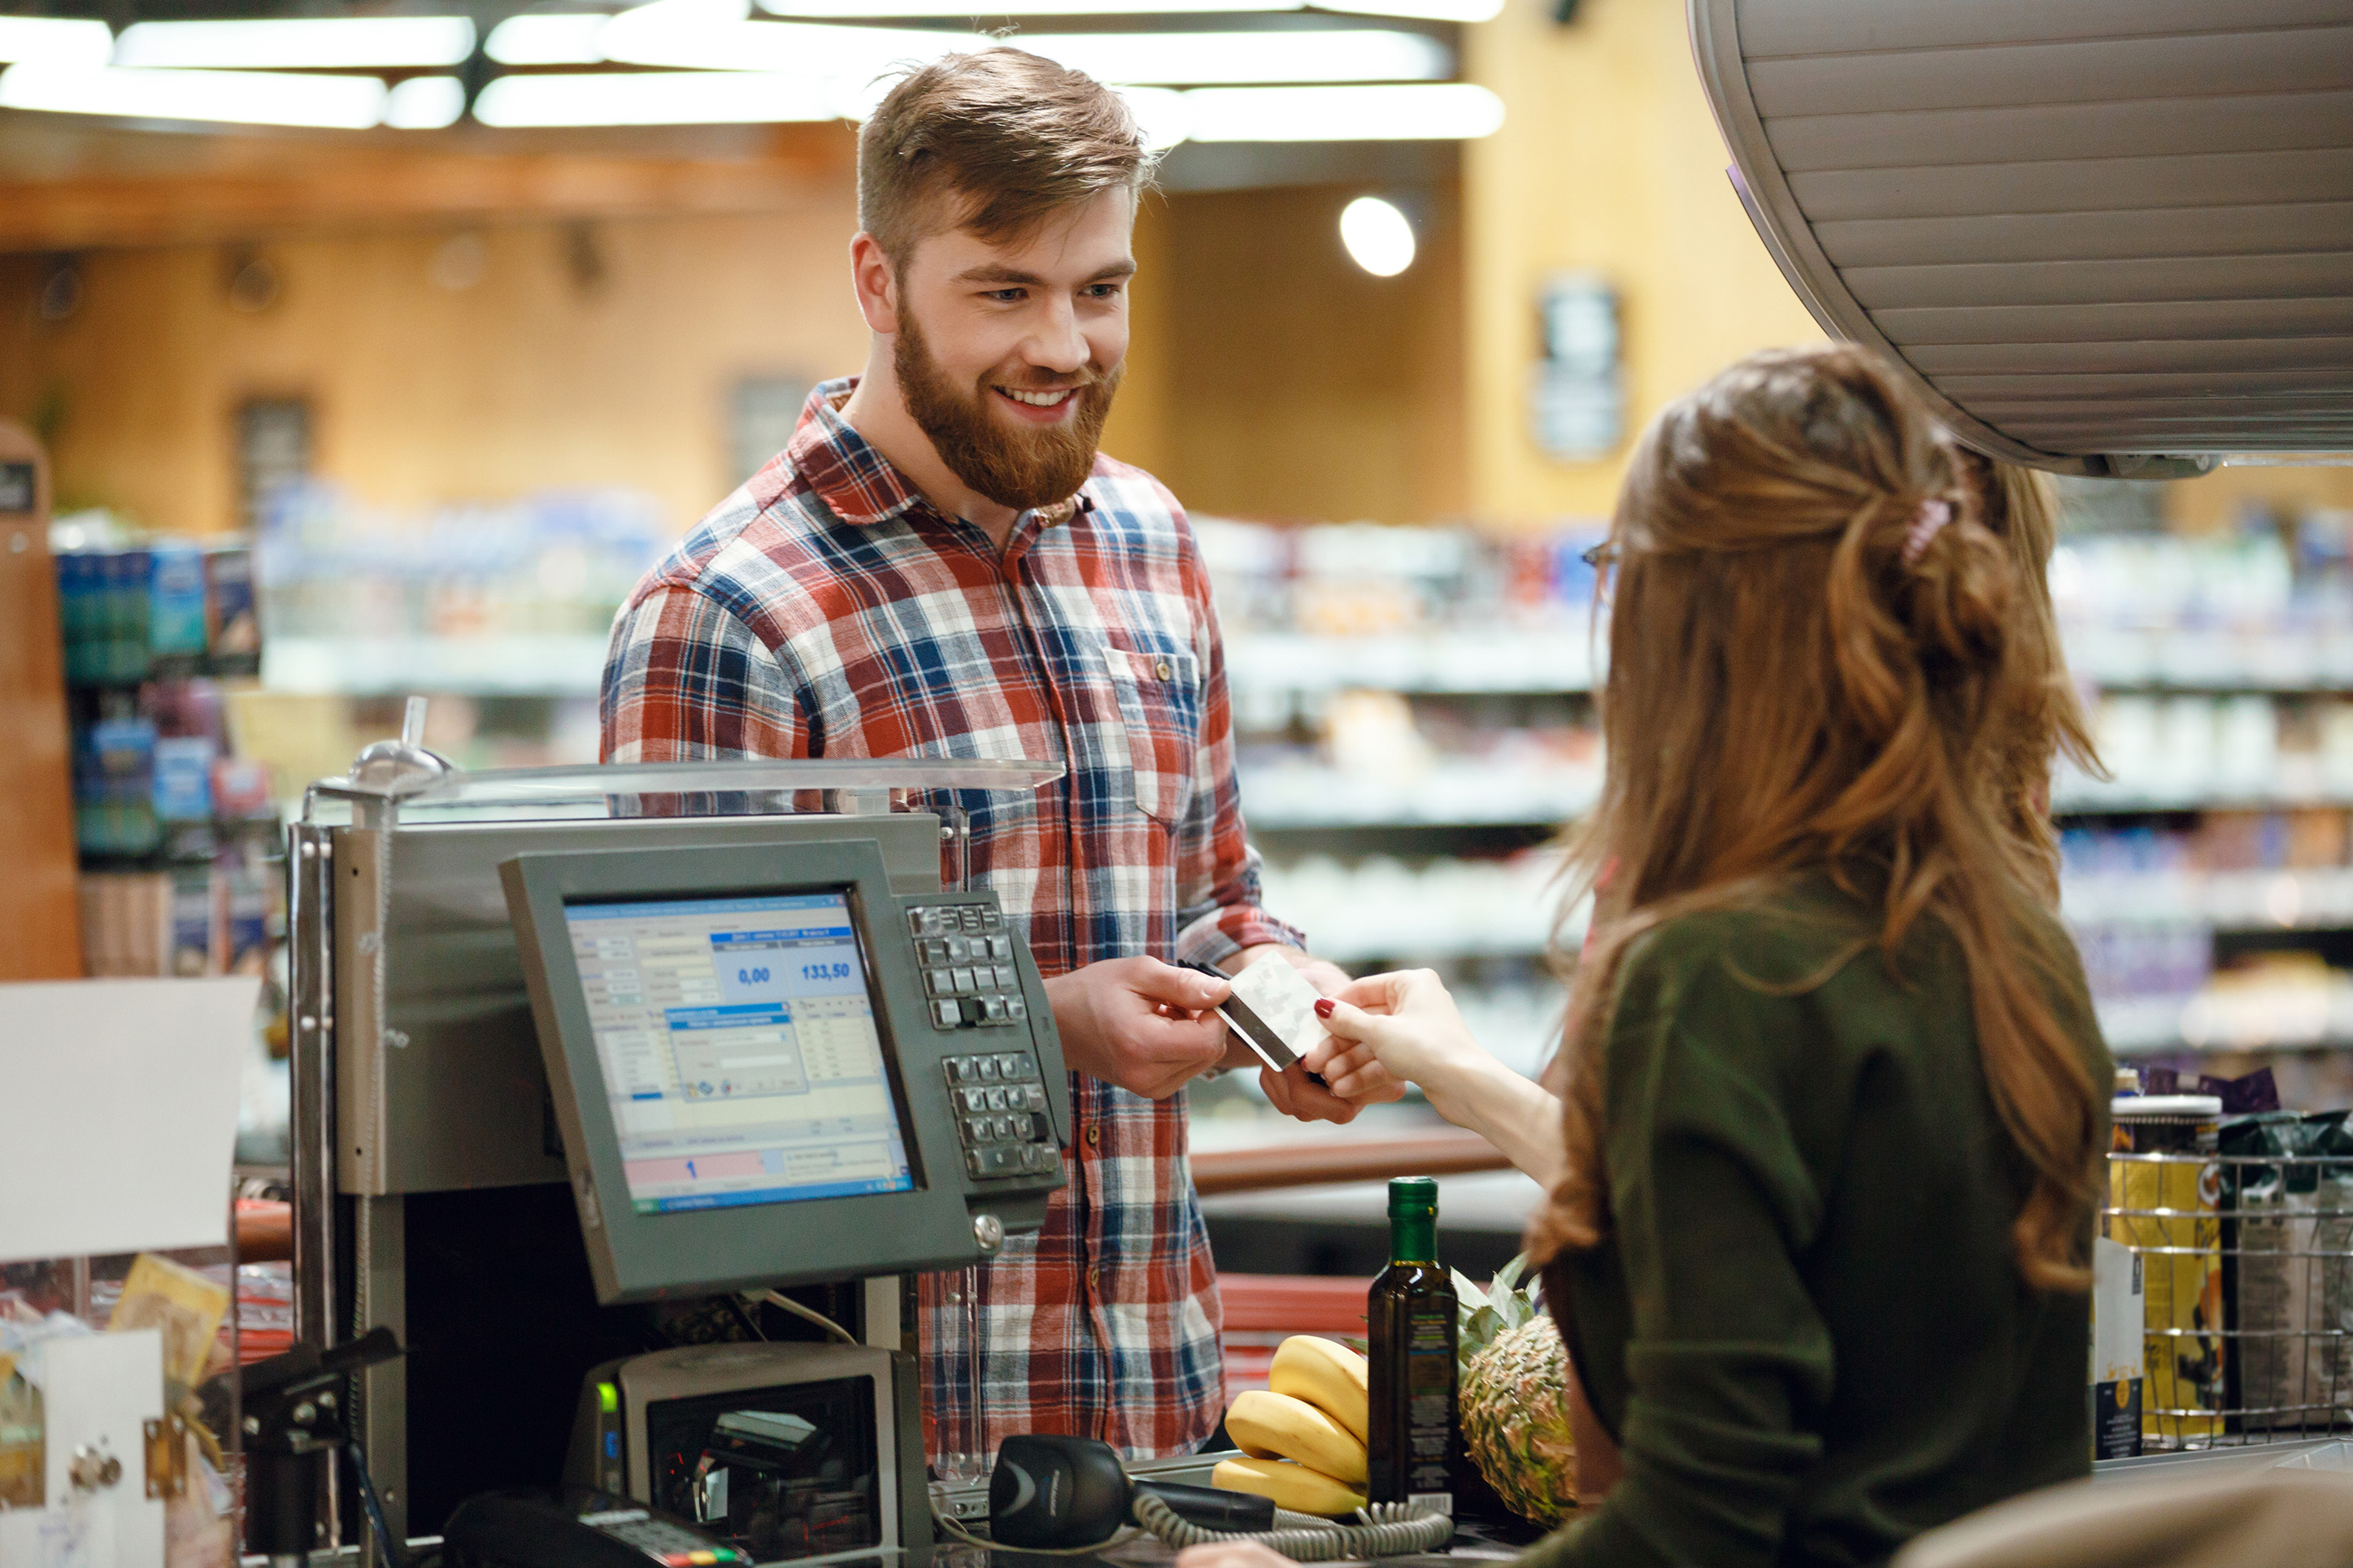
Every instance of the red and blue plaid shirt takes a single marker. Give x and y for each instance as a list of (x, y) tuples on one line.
[(826, 609)]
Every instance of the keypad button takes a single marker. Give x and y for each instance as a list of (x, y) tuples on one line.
[(1000, 950), (992, 918), (958, 950), (987, 1070), (1037, 1096), (952, 1070), (916, 922), (1012, 1066), (1004, 1160), (965, 983), (975, 1099), (977, 1162), (937, 982), (947, 1015), (1017, 1009), (975, 1129), (972, 913), (996, 1099), (992, 1010), (932, 952)]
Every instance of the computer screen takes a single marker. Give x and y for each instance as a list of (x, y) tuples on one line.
[(739, 1047)]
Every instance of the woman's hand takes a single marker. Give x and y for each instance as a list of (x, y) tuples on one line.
[(1405, 1026)]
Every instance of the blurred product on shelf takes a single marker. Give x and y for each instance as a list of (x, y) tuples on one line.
[(512, 596)]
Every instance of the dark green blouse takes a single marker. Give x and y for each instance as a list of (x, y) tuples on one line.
[(1806, 1327)]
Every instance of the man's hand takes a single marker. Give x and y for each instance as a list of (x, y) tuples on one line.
[(1139, 1023), (1290, 1091)]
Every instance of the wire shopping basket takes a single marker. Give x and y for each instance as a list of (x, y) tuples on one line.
[(2244, 1268)]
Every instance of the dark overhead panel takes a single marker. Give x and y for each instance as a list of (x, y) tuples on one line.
[(2107, 236)]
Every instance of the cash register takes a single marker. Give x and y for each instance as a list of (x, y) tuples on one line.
[(594, 1066), (769, 1068)]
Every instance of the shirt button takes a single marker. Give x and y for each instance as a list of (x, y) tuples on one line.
[(1094, 1276), (1094, 1137), (1161, 671)]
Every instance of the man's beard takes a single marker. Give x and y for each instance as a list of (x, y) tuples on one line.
[(1020, 466)]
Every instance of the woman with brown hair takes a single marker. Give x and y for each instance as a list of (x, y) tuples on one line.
[(1833, 1098)]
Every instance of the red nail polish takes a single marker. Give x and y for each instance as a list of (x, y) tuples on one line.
[(1323, 1006)]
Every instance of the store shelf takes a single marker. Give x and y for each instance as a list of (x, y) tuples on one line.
[(2211, 659), (1554, 657), (1450, 791), (569, 664), (2285, 900), (2231, 1019)]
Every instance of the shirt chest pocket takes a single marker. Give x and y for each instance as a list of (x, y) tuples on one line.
[(1158, 692)]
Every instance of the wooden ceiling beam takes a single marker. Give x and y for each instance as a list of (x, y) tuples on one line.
[(214, 189)]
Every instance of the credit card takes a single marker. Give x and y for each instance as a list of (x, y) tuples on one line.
[(1273, 1008)]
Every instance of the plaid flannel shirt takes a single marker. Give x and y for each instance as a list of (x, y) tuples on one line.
[(826, 609)]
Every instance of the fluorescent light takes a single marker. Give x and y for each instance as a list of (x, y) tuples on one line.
[(713, 34), (1421, 10), (335, 43), (235, 97), (1339, 55), (569, 39), (1378, 236), (1160, 113), (843, 10), (656, 97), (54, 41), (1454, 110), (425, 103)]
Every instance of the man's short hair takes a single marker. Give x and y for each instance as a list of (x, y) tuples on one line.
[(993, 143)]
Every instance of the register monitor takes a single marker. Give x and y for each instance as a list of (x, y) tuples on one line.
[(767, 1069)]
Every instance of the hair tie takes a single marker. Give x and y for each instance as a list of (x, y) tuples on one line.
[(1926, 524)]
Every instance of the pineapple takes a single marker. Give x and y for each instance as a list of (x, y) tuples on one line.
[(1514, 1396)]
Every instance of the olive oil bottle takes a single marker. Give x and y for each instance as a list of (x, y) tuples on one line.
[(1409, 1325)]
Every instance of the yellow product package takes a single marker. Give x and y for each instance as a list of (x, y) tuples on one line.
[(2163, 1193), (185, 1305)]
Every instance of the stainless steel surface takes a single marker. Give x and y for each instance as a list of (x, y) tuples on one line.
[(989, 1231), (310, 965), (382, 1299), (526, 786), (454, 1095)]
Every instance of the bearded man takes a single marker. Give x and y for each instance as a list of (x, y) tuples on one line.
[(940, 564)]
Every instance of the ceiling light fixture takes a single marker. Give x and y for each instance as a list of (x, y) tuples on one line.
[(302, 43), (850, 10), (1376, 236), (1190, 58), (425, 103), (656, 97), (715, 35), (570, 39), (55, 41), (229, 98), (1445, 112)]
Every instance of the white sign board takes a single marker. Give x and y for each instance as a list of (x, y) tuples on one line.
[(118, 1113)]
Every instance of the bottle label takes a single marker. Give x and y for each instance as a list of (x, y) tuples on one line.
[(1430, 1409)]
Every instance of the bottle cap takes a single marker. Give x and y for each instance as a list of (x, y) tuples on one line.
[(1412, 1196)]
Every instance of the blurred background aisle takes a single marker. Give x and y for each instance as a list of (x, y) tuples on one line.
[(398, 389)]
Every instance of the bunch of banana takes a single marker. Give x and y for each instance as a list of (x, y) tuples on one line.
[(1304, 1434)]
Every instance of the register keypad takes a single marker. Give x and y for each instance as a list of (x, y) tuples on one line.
[(969, 971), (1001, 1115)]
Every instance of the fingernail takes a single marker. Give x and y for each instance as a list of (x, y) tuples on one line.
[(1324, 1005)]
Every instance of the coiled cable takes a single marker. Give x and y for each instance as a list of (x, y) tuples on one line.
[(1397, 1529)]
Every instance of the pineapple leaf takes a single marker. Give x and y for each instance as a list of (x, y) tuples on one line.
[(1508, 1277), (1466, 1289)]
